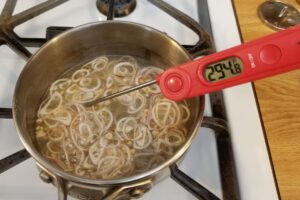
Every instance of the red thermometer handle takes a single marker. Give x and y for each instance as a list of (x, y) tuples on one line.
[(267, 56)]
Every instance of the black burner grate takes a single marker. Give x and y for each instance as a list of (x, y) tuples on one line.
[(8, 22), (5, 113)]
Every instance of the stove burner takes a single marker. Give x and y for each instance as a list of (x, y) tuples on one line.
[(8, 22), (121, 7)]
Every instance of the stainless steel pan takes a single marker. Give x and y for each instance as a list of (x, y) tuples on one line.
[(71, 49)]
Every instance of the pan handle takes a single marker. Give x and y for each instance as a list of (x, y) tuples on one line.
[(136, 190), (133, 190), (62, 188)]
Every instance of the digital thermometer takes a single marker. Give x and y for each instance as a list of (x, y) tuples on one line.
[(267, 56)]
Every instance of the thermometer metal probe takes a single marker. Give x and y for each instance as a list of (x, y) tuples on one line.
[(274, 54)]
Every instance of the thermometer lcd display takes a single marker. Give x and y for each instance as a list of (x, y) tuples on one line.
[(223, 69)]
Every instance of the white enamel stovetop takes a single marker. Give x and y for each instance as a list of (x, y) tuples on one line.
[(255, 176)]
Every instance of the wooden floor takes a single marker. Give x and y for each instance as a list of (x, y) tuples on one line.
[(279, 101)]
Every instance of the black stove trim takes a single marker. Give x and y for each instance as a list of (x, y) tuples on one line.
[(6, 113)]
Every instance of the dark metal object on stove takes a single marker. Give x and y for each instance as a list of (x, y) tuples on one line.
[(121, 8), (226, 165), (111, 10), (227, 169), (16, 158), (204, 45), (225, 153), (5, 113), (13, 160), (278, 15), (53, 31), (8, 22), (191, 185), (204, 18)]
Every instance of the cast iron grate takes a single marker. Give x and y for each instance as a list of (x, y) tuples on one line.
[(8, 22)]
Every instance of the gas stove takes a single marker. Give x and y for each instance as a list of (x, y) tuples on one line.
[(229, 158)]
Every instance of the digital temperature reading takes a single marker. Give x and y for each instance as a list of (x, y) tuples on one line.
[(223, 69)]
